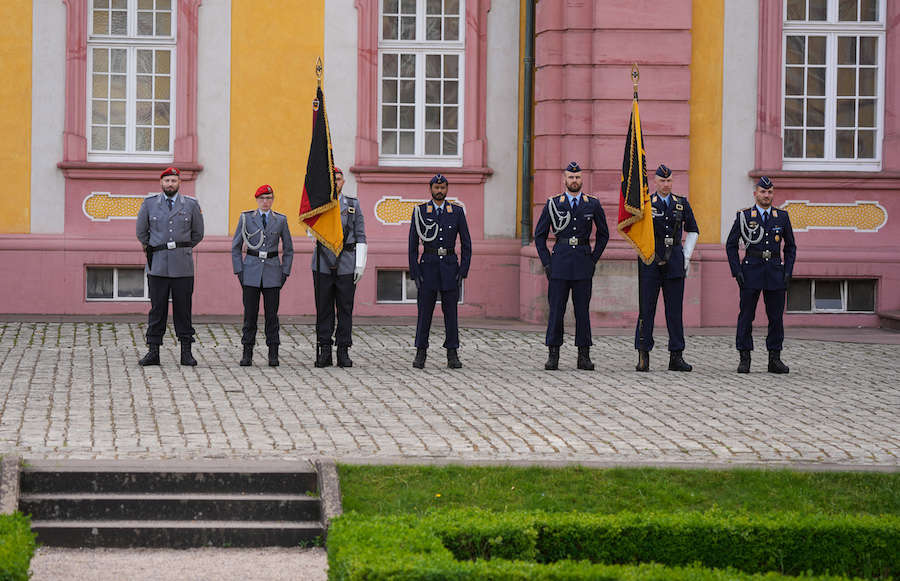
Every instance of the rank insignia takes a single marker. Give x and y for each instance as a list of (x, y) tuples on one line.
[(430, 209), (753, 213), (774, 213), (654, 198), (777, 238), (562, 198), (351, 210)]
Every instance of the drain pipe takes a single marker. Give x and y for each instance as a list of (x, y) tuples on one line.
[(527, 111)]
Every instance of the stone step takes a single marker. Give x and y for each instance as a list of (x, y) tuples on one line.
[(177, 534), (108, 506)]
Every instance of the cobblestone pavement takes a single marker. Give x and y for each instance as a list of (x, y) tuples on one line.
[(74, 390)]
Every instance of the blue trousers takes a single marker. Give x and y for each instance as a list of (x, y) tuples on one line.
[(774, 300), (558, 295), (651, 281), (427, 299)]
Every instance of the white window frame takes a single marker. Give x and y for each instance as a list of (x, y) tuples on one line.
[(131, 42), (404, 299), (421, 48), (831, 29), (115, 292), (845, 291)]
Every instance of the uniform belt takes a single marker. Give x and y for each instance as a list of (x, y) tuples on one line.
[(270, 254), (440, 251), (764, 254), (349, 247), (164, 246), (573, 241)]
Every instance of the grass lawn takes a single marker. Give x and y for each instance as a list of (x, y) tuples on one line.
[(385, 490)]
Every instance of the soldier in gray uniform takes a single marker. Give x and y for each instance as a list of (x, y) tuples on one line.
[(335, 279), (260, 271), (168, 227)]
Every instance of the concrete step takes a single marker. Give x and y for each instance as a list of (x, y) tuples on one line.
[(177, 534), (131, 506)]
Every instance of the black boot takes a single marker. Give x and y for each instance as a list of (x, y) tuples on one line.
[(419, 361), (584, 359), (453, 361), (775, 363), (323, 356), (247, 359), (273, 355), (152, 356), (643, 363), (186, 357), (343, 356), (744, 365), (552, 359), (677, 362)]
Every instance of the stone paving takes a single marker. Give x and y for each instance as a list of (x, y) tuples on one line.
[(74, 390)]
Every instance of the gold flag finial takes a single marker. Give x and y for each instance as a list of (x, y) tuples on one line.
[(319, 70), (635, 77)]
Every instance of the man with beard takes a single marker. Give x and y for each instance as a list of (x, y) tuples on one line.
[(571, 266), (169, 225), (437, 224)]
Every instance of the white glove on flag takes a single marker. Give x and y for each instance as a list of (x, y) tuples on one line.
[(689, 242)]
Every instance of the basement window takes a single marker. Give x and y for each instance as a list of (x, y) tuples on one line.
[(119, 283), (396, 286), (808, 295)]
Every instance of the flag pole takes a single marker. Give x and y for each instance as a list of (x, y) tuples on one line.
[(635, 78), (318, 250)]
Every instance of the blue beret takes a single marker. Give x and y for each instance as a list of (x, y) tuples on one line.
[(573, 167), (663, 172), (438, 179), (765, 183)]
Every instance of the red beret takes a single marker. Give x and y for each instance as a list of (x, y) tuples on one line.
[(338, 170), (170, 171), (264, 189)]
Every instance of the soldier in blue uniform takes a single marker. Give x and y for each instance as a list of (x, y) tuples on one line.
[(260, 271), (762, 228), (571, 216), (169, 225), (672, 215), (437, 224)]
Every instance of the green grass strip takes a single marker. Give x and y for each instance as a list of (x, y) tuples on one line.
[(16, 547)]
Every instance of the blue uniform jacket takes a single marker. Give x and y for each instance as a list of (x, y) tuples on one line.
[(759, 271), (670, 222), (439, 271), (572, 261)]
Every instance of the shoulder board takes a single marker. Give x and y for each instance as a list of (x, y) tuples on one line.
[(561, 198), (591, 196), (248, 212), (456, 205), (278, 213), (676, 198)]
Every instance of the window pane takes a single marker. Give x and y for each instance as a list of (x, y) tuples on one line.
[(867, 82), (796, 9), (163, 4), (145, 4), (389, 27), (799, 295), (869, 11), (98, 137), (408, 6), (131, 283), (451, 89), (865, 143), (99, 112), (818, 10), (407, 143), (119, 22), (389, 142), (861, 295), (844, 144), (815, 81), (412, 291), (451, 7), (162, 88), (389, 117), (408, 66), (432, 92), (120, 4), (101, 60), (793, 112), (101, 3), (815, 143), (868, 50), (866, 116), (815, 112), (117, 139), (389, 91), (389, 65), (451, 66), (847, 10), (793, 81), (433, 7), (432, 143), (163, 24), (451, 31), (142, 137), (389, 285), (144, 62), (828, 294), (847, 50), (846, 82), (100, 87), (450, 143), (161, 114), (432, 117), (144, 87), (407, 91), (407, 117), (145, 23), (433, 66), (433, 29), (795, 50), (161, 139), (143, 113), (117, 86), (450, 117), (815, 50), (408, 28), (846, 113), (101, 22), (163, 62), (99, 283), (793, 143), (118, 61), (117, 112), (391, 6)]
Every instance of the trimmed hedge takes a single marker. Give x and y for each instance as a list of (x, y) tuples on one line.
[(16, 547), (475, 544)]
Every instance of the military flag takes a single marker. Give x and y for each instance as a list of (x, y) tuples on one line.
[(635, 213), (320, 209)]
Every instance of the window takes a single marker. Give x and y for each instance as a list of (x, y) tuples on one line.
[(396, 286), (833, 84), (131, 80), (421, 49), (831, 296), (116, 284)]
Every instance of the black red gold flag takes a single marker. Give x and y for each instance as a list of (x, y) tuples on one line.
[(320, 209)]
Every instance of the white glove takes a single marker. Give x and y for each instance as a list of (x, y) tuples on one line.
[(361, 251), (688, 248)]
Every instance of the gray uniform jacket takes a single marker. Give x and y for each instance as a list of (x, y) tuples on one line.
[(258, 271), (354, 232), (157, 225)]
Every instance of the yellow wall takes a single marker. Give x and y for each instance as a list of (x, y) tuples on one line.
[(274, 45), (15, 117), (706, 116)]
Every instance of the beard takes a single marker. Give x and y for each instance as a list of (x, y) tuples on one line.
[(574, 188), (170, 190), (438, 196)]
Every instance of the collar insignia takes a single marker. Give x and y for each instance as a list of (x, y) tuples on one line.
[(774, 213), (654, 198), (449, 208), (430, 209), (753, 213)]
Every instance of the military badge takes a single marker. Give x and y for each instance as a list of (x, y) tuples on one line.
[(351, 210), (777, 238), (430, 209), (679, 207), (654, 198), (449, 208), (753, 213)]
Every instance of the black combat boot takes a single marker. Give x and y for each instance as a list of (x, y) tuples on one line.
[(419, 361), (775, 363), (343, 356), (643, 363), (247, 359), (152, 356), (553, 359), (186, 357), (453, 361), (273, 355), (323, 356), (744, 365), (584, 359), (677, 362)]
